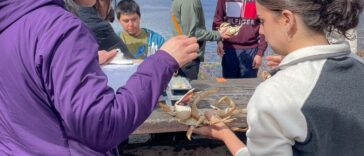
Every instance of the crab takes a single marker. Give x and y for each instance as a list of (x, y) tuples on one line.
[(230, 30), (186, 111), (265, 75)]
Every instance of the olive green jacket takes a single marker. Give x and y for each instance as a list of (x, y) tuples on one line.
[(191, 21)]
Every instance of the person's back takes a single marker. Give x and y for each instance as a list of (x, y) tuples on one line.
[(311, 104), (335, 116), (300, 104), (53, 94), (23, 66)]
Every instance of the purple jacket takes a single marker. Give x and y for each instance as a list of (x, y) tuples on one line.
[(53, 95)]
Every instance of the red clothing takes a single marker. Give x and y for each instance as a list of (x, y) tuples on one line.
[(237, 12)]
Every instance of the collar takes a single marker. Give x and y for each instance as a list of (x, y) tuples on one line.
[(313, 53)]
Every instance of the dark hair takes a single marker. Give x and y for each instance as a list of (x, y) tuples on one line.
[(322, 15), (71, 6), (127, 7)]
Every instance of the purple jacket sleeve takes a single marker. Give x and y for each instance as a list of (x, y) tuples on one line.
[(91, 112)]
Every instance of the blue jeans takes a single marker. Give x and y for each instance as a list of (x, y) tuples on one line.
[(238, 63)]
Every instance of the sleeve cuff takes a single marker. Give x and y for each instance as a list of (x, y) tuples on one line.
[(260, 52), (242, 152), (168, 59)]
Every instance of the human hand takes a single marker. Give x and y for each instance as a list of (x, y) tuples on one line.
[(220, 49), (105, 57), (182, 48), (273, 61), (223, 34), (216, 131), (257, 61)]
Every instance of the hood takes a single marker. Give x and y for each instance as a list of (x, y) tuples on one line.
[(12, 10)]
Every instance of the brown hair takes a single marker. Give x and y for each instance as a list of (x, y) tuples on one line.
[(127, 7), (322, 15)]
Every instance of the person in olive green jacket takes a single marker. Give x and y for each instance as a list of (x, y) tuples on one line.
[(188, 19)]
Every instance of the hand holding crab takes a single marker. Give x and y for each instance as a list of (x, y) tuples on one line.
[(186, 111), (230, 30)]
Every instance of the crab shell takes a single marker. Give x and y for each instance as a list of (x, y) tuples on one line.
[(265, 75), (225, 24), (182, 112), (233, 30)]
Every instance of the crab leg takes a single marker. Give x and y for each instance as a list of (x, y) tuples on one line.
[(189, 132), (228, 111), (224, 120)]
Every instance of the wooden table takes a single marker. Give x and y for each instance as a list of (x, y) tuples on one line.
[(240, 90)]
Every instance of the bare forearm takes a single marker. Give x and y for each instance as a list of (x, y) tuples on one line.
[(232, 142)]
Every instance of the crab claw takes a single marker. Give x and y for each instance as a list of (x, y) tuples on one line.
[(165, 108), (189, 132), (186, 98)]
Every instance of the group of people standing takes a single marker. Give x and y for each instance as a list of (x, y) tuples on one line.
[(241, 54), (54, 98)]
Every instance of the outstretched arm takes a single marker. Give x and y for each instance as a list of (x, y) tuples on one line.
[(192, 22), (90, 111), (221, 132)]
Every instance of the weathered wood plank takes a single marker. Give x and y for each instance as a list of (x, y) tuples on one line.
[(240, 90)]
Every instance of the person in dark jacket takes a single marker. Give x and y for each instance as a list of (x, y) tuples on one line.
[(97, 18)]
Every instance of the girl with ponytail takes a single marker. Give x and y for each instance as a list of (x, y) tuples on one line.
[(313, 102)]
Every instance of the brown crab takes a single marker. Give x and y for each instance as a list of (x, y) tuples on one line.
[(265, 75), (230, 30), (186, 111)]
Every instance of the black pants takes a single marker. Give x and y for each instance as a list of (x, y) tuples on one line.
[(190, 70)]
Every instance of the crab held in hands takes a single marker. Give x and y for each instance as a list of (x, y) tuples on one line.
[(186, 111), (230, 30)]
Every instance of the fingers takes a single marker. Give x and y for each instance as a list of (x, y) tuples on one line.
[(273, 61), (105, 57), (272, 64), (192, 48), (182, 48), (181, 37), (276, 58), (225, 36), (255, 66), (190, 40), (211, 117)]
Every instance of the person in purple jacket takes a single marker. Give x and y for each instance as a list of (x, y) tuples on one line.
[(54, 98)]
